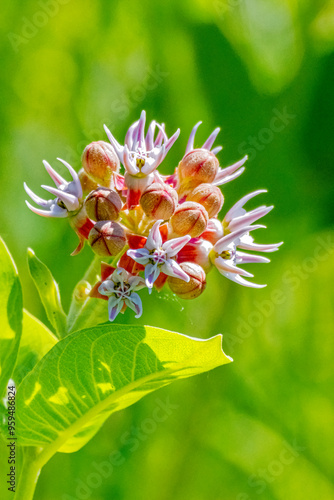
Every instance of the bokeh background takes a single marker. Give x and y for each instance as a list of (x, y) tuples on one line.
[(263, 70)]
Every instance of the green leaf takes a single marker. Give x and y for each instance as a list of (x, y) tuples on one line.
[(10, 315), (36, 341), (92, 373), (49, 293)]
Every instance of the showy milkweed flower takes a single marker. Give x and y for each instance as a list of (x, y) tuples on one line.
[(158, 257), (141, 154), (160, 230)]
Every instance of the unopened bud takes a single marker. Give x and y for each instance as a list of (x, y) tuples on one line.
[(82, 291), (195, 286), (189, 218), (209, 196), (99, 161), (107, 238), (103, 204), (86, 182), (198, 166), (159, 201)]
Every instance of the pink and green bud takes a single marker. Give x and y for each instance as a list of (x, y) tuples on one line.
[(100, 161), (188, 289), (189, 218), (107, 238), (197, 167), (103, 204), (209, 196), (159, 201)]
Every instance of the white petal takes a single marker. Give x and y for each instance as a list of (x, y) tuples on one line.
[(172, 268), (114, 307), (211, 139), (154, 240), (172, 247), (135, 303), (190, 144)]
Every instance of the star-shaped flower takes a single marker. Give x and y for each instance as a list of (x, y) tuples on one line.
[(68, 194), (158, 257), (120, 288), (142, 155), (226, 257)]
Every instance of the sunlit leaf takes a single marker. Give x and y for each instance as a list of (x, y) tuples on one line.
[(36, 341), (10, 315), (48, 291), (92, 373)]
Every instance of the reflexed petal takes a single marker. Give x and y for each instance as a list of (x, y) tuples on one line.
[(225, 179), (57, 179), (71, 201), (136, 283), (211, 139), (190, 144), (135, 303), (172, 268), (106, 287), (152, 271), (248, 218), (246, 258), (247, 243), (223, 242), (171, 140), (39, 201), (241, 281), (154, 240), (235, 210), (141, 255), (150, 136), (229, 267), (117, 147), (75, 177), (60, 213), (216, 150), (172, 247), (114, 307)]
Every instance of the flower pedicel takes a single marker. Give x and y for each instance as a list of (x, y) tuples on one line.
[(161, 230)]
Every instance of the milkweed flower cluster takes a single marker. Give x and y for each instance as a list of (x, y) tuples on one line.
[(157, 229)]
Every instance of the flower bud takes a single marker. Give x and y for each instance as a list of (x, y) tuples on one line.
[(107, 238), (86, 182), (189, 218), (159, 201), (209, 196), (99, 161), (103, 204), (198, 166), (195, 286)]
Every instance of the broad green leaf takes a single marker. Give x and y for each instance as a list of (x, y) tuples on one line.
[(36, 341), (92, 373), (10, 315), (49, 293)]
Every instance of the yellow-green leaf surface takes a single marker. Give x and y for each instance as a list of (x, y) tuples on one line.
[(49, 293), (36, 341), (10, 315), (92, 373)]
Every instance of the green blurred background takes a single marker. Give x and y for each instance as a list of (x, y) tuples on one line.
[(263, 70)]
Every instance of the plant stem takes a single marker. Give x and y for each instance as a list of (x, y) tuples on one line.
[(30, 471), (77, 305)]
